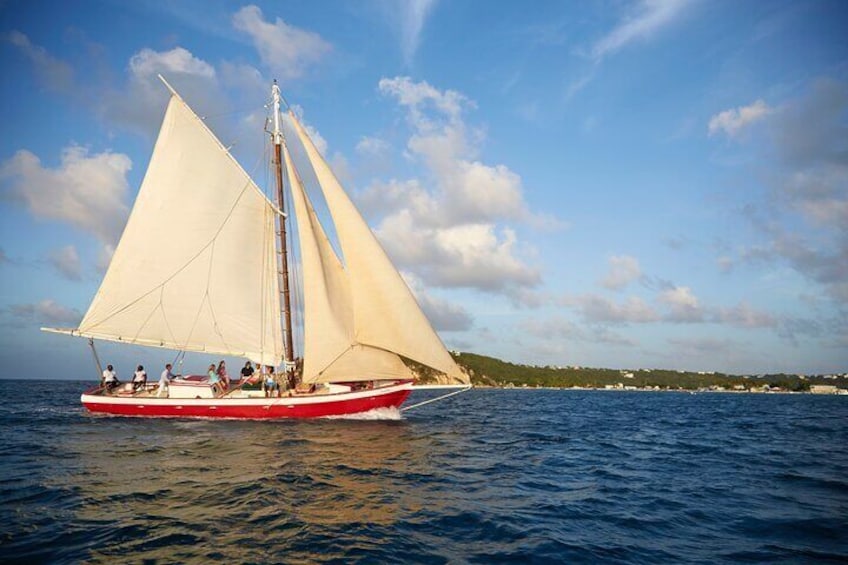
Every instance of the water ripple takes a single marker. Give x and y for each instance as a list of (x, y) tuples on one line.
[(485, 477)]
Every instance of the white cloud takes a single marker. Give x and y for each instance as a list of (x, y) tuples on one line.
[(467, 255), (472, 190), (732, 122), (682, 304), (285, 49), (47, 311), (649, 17), (87, 191), (141, 102), (598, 309), (622, 271), (449, 228), (66, 260), (147, 63), (416, 96)]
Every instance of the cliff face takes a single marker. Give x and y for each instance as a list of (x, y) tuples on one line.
[(426, 376)]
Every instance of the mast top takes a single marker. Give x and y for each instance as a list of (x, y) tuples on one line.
[(276, 96)]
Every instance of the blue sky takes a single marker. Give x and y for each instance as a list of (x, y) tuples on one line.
[(610, 184)]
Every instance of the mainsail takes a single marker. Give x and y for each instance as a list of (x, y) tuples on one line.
[(196, 266)]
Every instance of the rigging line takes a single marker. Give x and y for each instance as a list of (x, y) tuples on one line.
[(207, 298), (153, 311), (414, 406), (199, 307), (177, 359), (164, 316), (339, 356)]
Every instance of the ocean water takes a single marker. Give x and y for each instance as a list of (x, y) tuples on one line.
[(488, 476)]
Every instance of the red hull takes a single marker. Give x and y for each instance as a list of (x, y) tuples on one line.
[(255, 408)]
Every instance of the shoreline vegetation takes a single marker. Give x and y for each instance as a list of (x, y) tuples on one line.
[(489, 372)]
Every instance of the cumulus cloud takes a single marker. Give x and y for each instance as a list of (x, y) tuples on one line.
[(140, 103), (89, 192), (449, 227), (67, 262), (622, 271), (735, 120), (147, 63), (647, 19), (683, 305), (418, 96), (468, 255), (285, 49), (47, 312)]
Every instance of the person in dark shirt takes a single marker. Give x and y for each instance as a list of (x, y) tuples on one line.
[(247, 372)]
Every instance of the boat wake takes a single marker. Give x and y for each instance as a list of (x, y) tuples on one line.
[(375, 414)]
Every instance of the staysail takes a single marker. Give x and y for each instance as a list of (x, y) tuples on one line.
[(385, 320), (196, 266)]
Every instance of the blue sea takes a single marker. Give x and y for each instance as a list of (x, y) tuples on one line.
[(488, 476)]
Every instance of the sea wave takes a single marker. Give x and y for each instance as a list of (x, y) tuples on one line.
[(485, 477)]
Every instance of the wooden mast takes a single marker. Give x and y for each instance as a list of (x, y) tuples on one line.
[(278, 168)]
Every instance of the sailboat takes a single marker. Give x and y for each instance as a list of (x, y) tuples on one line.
[(203, 266)]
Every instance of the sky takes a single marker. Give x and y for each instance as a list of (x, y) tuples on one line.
[(610, 183)]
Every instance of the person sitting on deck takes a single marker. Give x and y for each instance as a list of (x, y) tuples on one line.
[(214, 379), (110, 379), (269, 382), (139, 378), (222, 375), (247, 372)]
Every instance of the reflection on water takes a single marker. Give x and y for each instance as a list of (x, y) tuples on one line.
[(241, 487)]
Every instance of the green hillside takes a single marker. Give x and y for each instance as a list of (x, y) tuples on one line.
[(488, 371)]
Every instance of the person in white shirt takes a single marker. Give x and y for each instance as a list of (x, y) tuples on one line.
[(164, 381), (139, 378), (110, 378)]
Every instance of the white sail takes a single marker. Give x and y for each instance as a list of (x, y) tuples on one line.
[(328, 319), (196, 267), (386, 317), (331, 353)]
